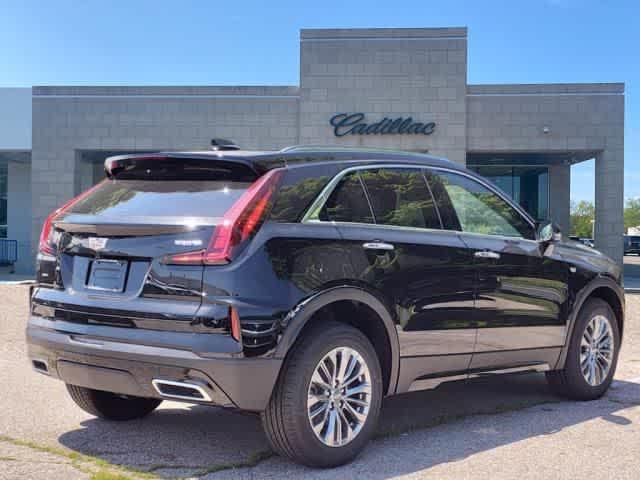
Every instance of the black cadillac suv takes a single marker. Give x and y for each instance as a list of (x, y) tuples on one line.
[(307, 284)]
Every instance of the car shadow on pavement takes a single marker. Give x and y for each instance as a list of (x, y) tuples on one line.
[(177, 437)]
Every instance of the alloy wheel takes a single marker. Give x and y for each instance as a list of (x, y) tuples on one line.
[(596, 350), (339, 397)]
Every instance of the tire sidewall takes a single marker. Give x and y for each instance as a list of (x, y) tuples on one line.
[(573, 369), (313, 353)]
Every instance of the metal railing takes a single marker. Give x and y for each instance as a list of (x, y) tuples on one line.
[(8, 251)]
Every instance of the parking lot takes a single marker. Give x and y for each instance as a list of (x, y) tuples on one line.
[(488, 428)]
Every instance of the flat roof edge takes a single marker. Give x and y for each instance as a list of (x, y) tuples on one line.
[(15, 89), (546, 88), (355, 33), (224, 90)]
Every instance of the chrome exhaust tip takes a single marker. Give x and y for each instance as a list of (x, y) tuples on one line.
[(40, 366), (180, 390)]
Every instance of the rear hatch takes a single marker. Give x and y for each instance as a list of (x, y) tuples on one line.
[(111, 250)]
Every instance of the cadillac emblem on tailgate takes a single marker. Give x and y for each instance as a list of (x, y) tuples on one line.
[(97, 243)]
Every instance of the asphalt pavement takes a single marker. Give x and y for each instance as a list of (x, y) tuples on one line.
[(503, 427)]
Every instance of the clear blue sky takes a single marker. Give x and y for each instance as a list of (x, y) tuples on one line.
[(256, 42)]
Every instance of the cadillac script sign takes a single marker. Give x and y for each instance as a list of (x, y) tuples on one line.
[(356, 124)]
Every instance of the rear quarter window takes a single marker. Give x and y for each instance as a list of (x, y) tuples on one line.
[(298, 189), (348, 202)]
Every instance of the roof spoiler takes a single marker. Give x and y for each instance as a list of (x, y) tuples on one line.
[(138, 162)]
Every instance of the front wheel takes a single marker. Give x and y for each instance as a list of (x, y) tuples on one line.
[(592, 356), (325, 406)]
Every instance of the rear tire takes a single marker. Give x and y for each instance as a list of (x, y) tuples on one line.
[(112, 406), (327, 347), (573, 381)]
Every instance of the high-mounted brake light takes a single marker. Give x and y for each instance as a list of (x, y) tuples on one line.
[(239, 224), (114, 165), (46, 242)]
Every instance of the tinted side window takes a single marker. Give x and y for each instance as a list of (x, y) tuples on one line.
[(399, 196), (298, 189), (348, 202), (479, 210)]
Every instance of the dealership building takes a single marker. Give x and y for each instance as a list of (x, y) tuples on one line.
[(393, 88)]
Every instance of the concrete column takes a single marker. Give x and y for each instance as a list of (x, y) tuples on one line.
[(609, 227), (52, 178), (559, 196)]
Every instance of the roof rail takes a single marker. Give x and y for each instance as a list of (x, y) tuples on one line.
[(349, 148)]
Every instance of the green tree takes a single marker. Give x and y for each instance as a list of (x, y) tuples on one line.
[(632, 213), (582, 217)]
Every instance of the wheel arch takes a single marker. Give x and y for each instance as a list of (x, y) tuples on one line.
[(306, 311), (603, 288)]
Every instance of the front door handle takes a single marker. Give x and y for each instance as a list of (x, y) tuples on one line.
[(377, 246), (487, 254)]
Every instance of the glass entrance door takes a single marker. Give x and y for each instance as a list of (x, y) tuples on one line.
[(529, 186), (4, 176)]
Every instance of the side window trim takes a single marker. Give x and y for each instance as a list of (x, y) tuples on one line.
[(366, 195), (312, 214), (423, 171)]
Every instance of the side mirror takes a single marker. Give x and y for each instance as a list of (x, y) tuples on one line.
[(549, 232)]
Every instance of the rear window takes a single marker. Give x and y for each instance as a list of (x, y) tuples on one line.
[(119, 199)]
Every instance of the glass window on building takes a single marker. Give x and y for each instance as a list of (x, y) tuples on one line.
[(3, 200), (528, 186)]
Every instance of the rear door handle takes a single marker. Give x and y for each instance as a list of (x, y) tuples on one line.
[(487, 254), (378, 246)]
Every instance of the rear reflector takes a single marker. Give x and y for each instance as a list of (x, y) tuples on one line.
[(238, 224), (236, 332), (46, 245)]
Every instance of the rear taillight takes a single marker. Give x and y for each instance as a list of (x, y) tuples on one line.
[(46, 244), (239, 224)]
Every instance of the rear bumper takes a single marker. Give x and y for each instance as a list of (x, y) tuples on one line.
[(116, 365)]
